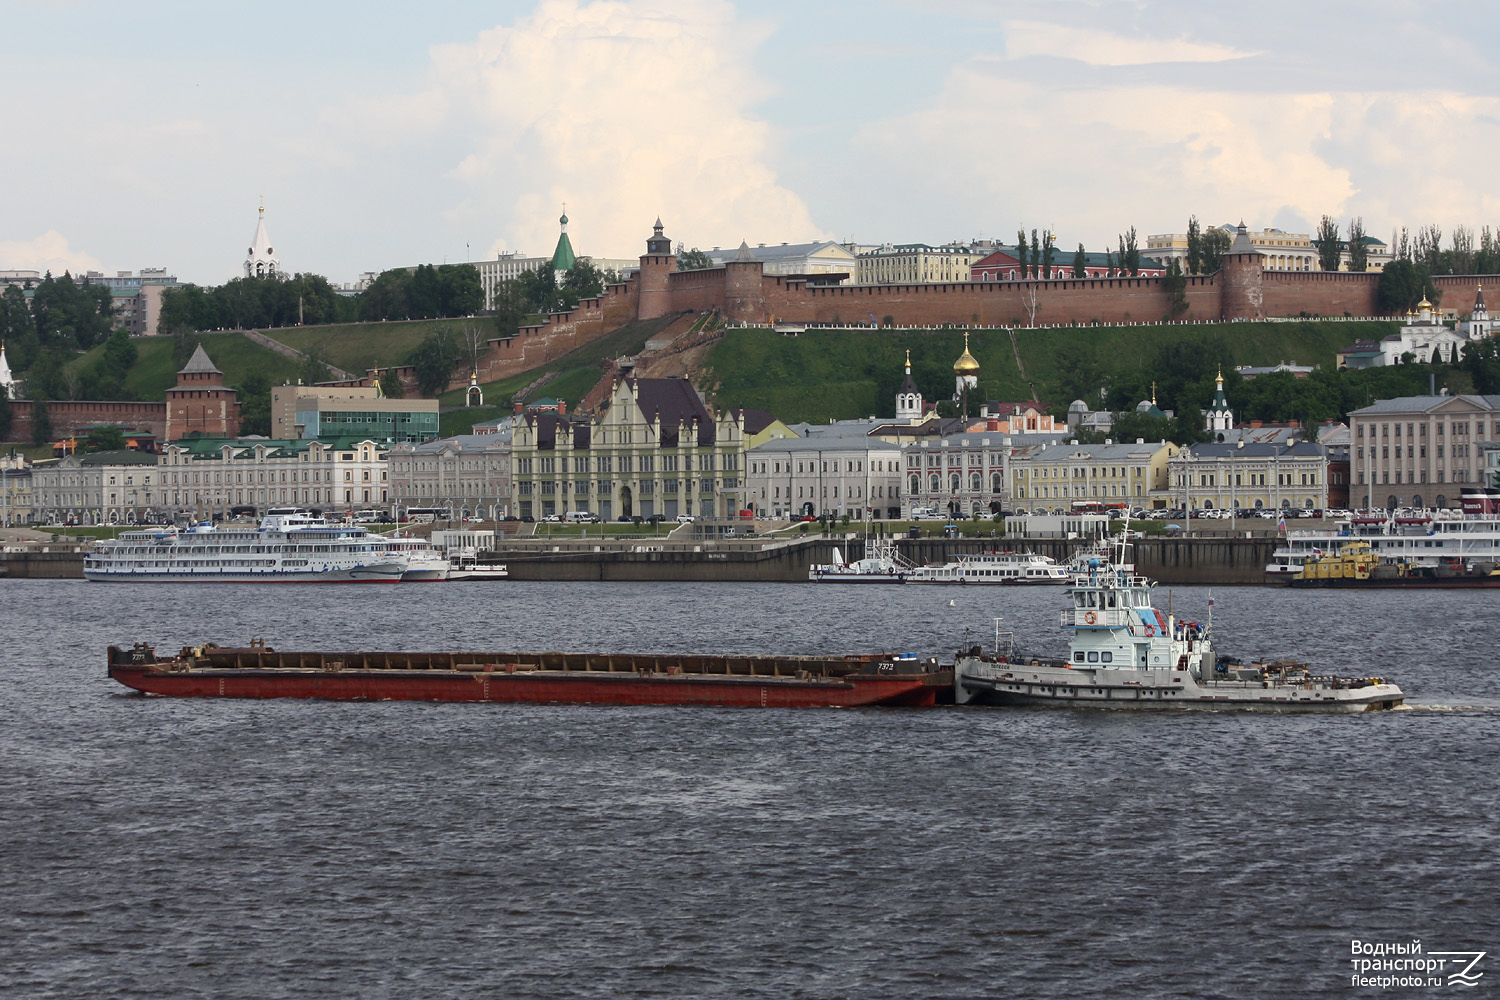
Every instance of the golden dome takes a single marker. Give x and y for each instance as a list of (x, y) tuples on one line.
[(965, 365), (1424, 304)]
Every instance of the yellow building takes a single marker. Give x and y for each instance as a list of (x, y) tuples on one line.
[(1053, 477)]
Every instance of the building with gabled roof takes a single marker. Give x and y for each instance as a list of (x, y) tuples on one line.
[(656, 449), (1247, 474), (469, 474), (818, 258)]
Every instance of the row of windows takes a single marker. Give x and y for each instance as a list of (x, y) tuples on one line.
[(1415, 429), (1459, 451)]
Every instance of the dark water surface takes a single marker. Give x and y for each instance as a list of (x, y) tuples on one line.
[(237, 849)]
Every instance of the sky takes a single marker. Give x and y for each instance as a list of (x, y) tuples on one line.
[(383, 135)]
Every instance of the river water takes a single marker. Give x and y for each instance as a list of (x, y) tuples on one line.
[(236, 849)]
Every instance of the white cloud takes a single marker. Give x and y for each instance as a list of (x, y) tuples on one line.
[(625, 111), (48, 252), (1103, 48), (1094, 161)]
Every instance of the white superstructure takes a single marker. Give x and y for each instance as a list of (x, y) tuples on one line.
[(290, 545), (1419, 540), (1012, 568)]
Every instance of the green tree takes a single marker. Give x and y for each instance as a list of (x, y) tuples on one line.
[(1359, 250), (1216, 243), (1036, 256), (434, 361), (1174, 283), (460, 292), (47, 377), (1130, 253), (1080, 263), (511, 307), (1049, 250), (106, 438), (255, 404), (424, 297), (692, 260), (391, 386), (387, 296), (1402, 285), (539, 289), (583, 281), (1021, 250), (1194, 246), (1330, 250)]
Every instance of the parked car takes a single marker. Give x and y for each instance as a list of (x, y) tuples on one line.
[(684, 519), (552, 519), (656, 518)]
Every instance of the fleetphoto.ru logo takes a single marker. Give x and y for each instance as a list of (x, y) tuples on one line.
[(1403, 964)]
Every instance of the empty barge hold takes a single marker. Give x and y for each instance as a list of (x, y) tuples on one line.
[(258, 671)]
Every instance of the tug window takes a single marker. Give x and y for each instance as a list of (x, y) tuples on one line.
[(1093, 657)]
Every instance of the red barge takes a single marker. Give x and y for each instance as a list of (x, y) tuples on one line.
[(258, 671)]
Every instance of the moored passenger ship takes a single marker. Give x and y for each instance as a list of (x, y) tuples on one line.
[(291, 545)]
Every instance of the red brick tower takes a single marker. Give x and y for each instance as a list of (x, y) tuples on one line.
[(201, 402), (744, 291), (1243, 296), (656, 263)]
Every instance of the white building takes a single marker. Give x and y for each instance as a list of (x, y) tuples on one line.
[(469, 474), (833, 474), (261, 258), (822, 258), (959, 474), (1426, 338)]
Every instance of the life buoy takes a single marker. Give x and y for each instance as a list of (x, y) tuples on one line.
[(1150, 630), (1090, 617)]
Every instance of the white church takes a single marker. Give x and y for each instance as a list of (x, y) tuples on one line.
[(1428, 339)]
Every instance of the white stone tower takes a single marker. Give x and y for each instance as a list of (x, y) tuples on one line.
[(908, 397), (261, 260)]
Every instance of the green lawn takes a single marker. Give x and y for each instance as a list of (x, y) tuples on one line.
[(835, 374), (154, 371)]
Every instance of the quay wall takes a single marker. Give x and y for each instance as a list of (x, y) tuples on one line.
[(45, 563), (1180, 561)]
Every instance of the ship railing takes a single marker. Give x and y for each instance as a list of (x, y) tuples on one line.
[(1095, 617)]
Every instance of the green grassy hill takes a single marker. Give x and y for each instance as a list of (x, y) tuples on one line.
[(358, 347), (823, 375), (154, 371)]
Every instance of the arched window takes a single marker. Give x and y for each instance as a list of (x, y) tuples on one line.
[(953, 482), (934, 483), (974, 480), (914, 485), (1390, 502), (1442, 501), (997, 482)]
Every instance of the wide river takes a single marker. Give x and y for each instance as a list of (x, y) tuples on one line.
[(166, 848)]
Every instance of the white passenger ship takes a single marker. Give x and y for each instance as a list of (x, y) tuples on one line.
[(291, 545), (1012, 568), (1421, 541)]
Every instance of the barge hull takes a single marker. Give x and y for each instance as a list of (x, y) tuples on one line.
[(502, 680)]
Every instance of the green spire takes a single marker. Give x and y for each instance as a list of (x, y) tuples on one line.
[(563, 258)]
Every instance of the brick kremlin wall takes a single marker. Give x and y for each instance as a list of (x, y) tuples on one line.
[(69, 417)]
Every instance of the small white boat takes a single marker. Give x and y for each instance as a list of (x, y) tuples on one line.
[(464, 564), (881, 564), (425, 563), (1003, 568)]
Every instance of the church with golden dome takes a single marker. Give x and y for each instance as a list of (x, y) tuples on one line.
[(965, 374)]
